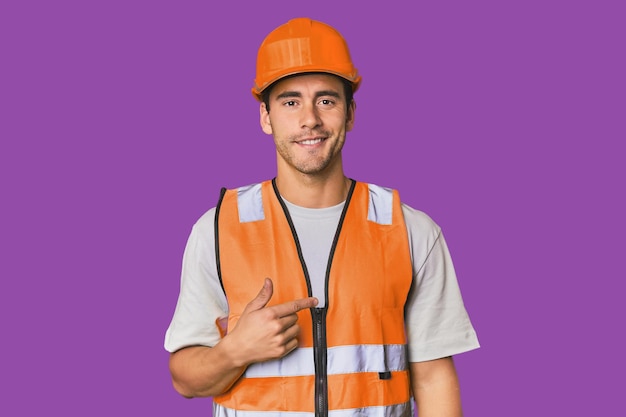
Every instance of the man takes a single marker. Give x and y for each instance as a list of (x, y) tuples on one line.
[(312, 293)]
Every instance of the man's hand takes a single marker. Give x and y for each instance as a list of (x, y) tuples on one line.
[(264, 333)]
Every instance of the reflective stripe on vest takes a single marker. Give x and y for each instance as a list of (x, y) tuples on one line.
[(250, 203), (368, 279), (398, 410), (341, 360)]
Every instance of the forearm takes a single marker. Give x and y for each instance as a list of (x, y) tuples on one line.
[(436, 388), (200, 371)]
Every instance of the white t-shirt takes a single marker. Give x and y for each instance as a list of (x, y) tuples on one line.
[(437, 323)]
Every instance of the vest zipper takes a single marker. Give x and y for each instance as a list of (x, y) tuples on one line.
[(318, 315), (319, 352)]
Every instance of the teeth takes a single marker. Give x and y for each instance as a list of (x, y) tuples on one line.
[(311, 141)]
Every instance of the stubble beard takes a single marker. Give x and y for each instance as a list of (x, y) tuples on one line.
[(315, 163)]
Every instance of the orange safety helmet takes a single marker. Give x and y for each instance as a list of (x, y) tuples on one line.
[(303, 45)]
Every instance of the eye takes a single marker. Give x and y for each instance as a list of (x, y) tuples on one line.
[(289, 103), (326, 102)]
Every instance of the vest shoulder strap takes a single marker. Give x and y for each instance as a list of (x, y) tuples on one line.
[(250, 204)]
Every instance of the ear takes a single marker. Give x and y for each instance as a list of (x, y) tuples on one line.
[(266, 125), (350, 116)]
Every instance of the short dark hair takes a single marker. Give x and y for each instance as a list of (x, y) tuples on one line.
[(347, 91)]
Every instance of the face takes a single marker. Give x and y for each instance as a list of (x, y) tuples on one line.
[(308, 118)]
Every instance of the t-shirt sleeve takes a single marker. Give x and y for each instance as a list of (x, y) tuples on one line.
[(437, 322), (201, 300)]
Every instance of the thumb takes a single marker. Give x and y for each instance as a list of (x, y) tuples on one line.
[(263, 297)]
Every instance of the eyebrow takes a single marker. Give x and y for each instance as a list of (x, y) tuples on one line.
[(297, 94)]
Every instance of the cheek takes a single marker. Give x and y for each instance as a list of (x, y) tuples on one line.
[(281, 127)]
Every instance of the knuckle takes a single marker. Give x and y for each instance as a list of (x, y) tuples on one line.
[(286, 349), (267, 314), (275, 327)]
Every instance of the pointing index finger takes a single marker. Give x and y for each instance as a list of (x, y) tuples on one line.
[(292, 307)]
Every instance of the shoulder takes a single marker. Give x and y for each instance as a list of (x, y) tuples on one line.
[(423, 233), (206, 222), (419, 222), (419, 225)]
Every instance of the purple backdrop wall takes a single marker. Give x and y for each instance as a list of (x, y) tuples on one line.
[(120, 121)]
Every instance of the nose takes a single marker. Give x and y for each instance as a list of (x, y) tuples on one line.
[(310, 117)]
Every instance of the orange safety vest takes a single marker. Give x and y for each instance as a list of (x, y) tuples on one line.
[(351, 359)]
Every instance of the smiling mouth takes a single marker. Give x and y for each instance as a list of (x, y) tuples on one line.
[(311, 141)]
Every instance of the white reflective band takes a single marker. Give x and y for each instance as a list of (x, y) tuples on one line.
[(380, 208), (366, 358), (397, 410), (298, 363), (250, 203), (341, 360)]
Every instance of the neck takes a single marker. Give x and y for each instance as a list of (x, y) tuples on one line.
[(313, 191)]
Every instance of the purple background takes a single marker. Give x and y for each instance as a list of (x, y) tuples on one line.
[(120, 121)]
